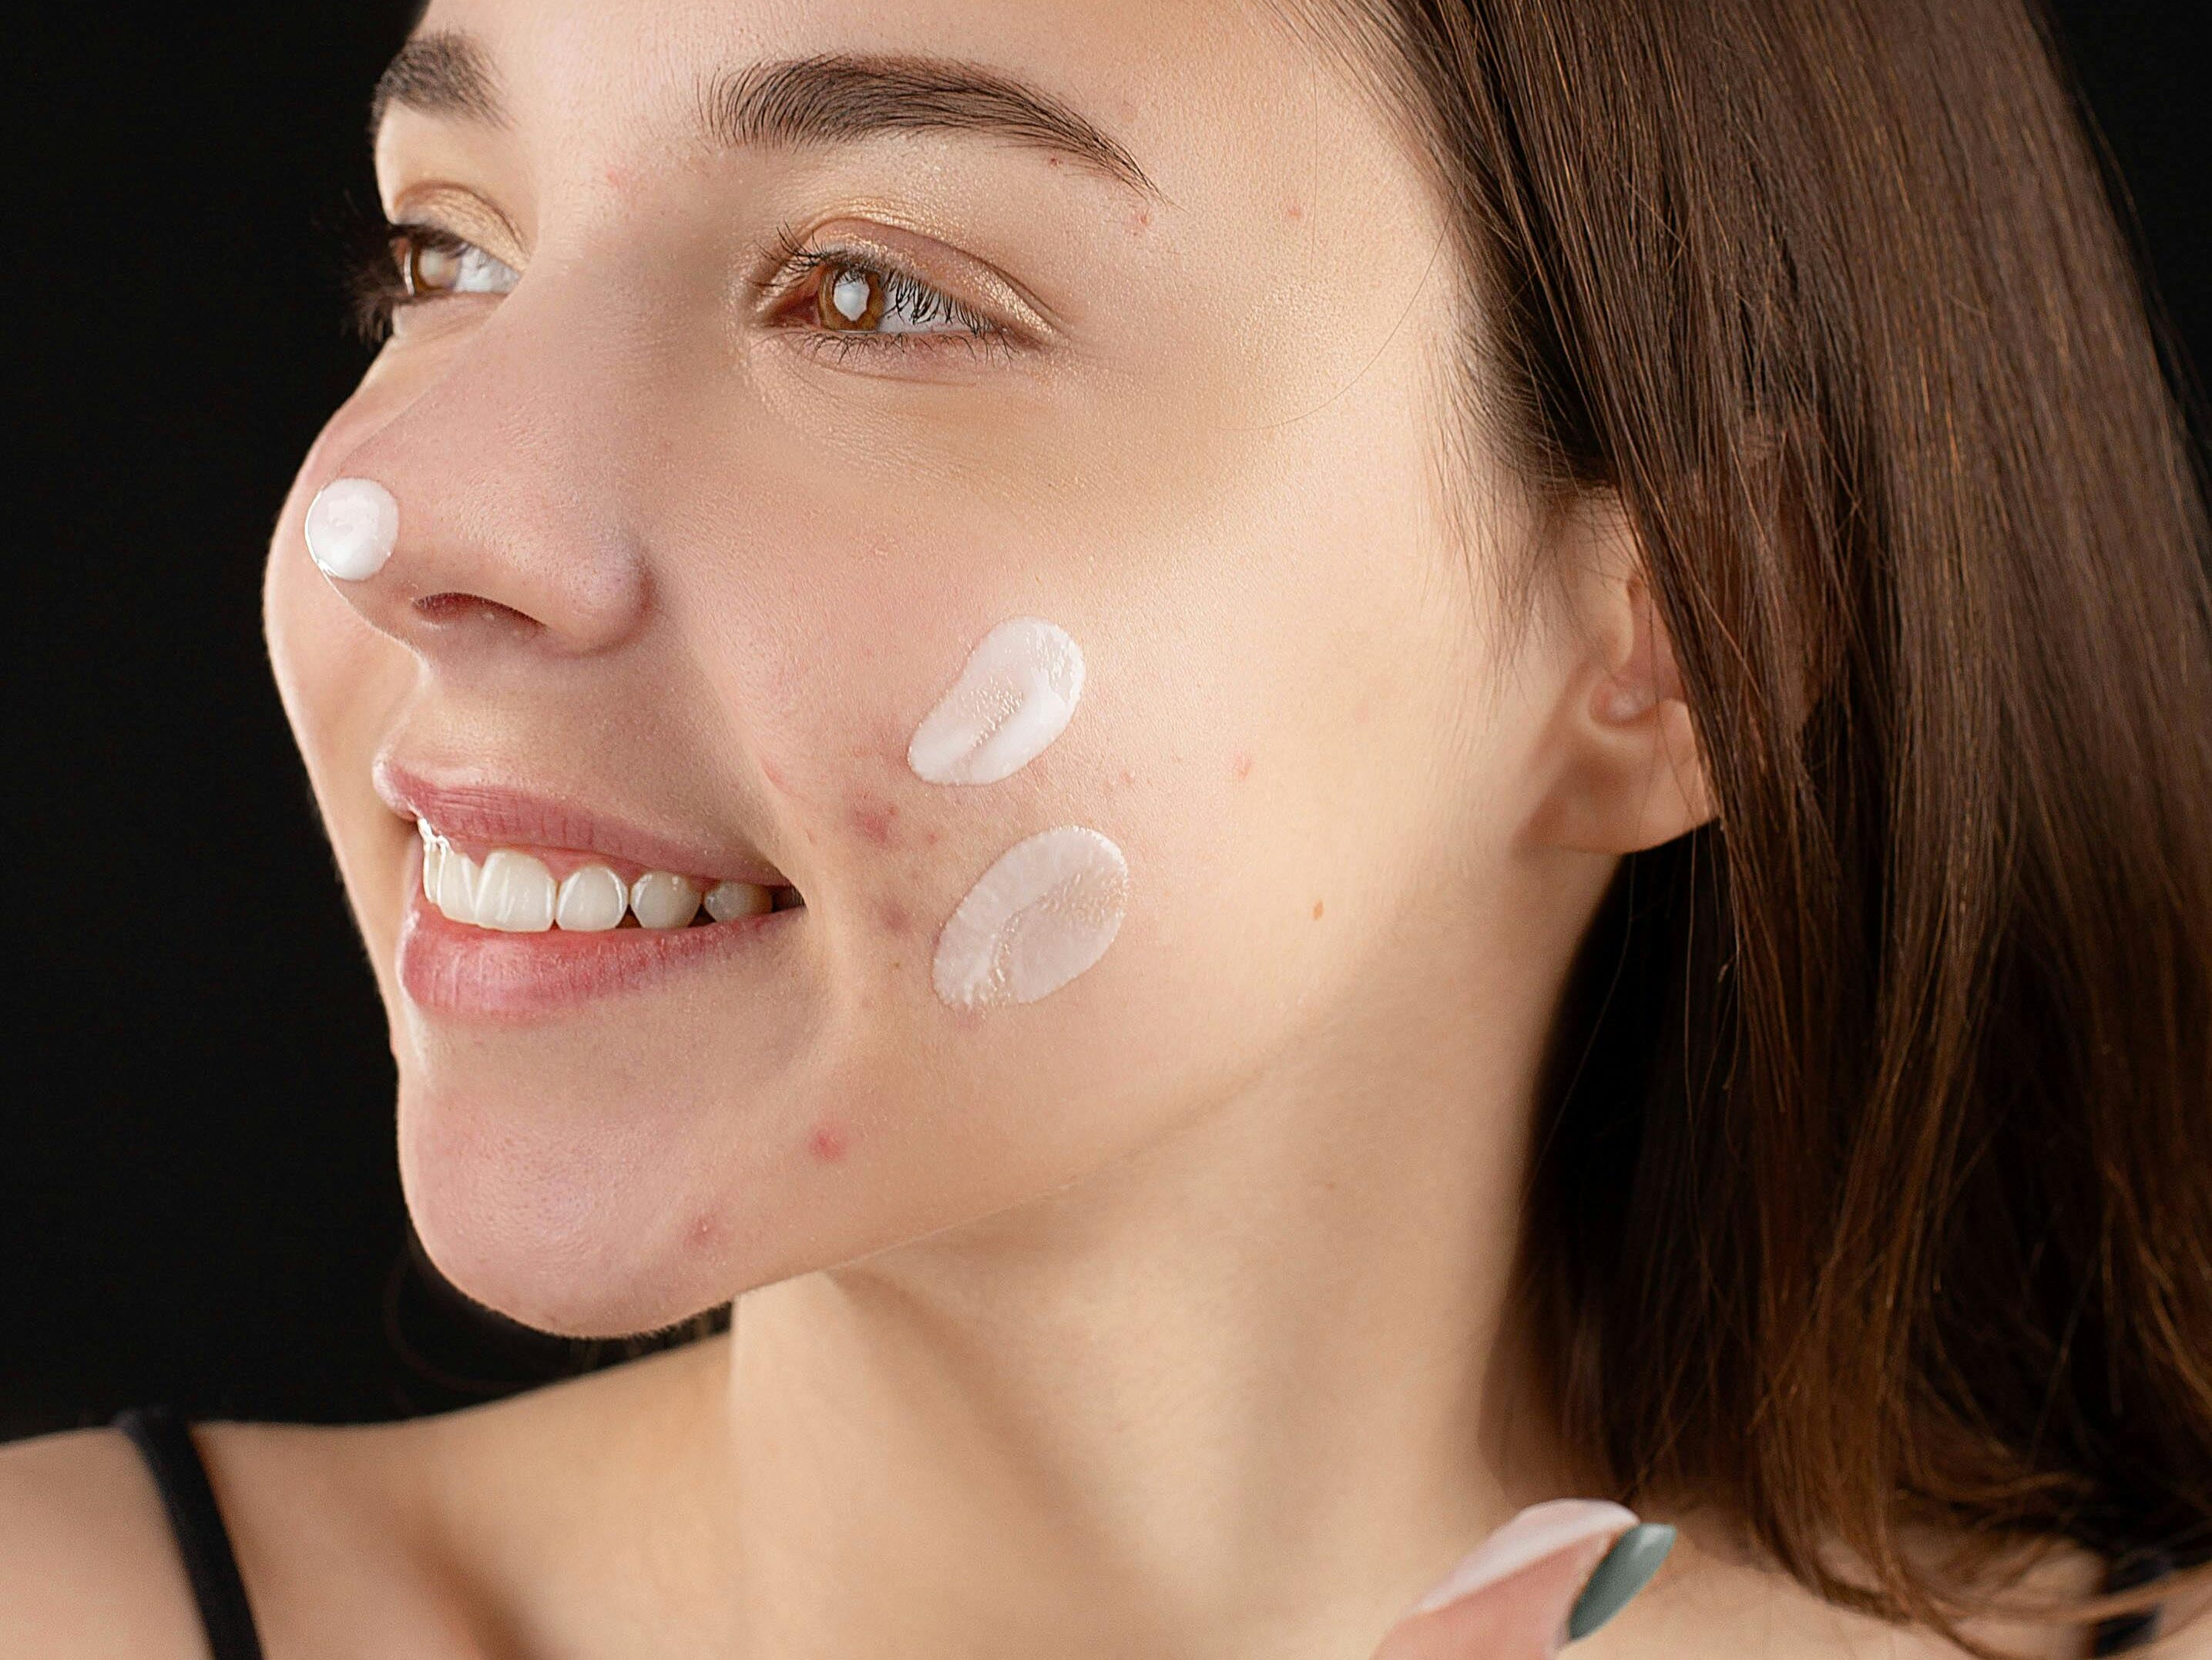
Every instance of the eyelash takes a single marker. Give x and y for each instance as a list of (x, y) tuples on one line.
[(379, 291)]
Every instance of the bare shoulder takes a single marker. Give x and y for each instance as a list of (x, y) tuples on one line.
[(433, 1538), (87, 1567)]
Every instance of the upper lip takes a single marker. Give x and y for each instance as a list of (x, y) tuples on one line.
[(478, 806)]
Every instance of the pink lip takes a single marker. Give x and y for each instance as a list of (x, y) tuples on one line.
[(473, 811), (451, 968)]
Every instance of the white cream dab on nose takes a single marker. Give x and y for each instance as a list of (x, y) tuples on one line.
[(352, 526), (1044, 912), (1013, 698)]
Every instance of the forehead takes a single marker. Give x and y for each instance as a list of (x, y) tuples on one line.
[(1208, 101)]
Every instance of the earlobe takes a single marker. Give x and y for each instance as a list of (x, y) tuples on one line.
[(1629, 774)]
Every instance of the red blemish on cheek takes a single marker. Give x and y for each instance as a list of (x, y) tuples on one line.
[(872, 820), (1240, 768), (894, 917), (828, 1143), (703, 1232)]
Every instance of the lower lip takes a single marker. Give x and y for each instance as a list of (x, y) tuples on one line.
[(452, 968)]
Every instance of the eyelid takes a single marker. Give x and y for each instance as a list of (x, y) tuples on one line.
[(974, 284), (463, 214)]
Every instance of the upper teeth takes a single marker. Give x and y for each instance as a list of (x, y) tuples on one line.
[(514, 893)]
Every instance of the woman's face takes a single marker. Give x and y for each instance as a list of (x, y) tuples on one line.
[(680, 569)]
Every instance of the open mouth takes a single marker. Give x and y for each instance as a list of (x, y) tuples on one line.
[(509, 889)]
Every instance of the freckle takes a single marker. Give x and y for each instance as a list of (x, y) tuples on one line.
[(827, 1143), (1240, 768), (1317, 910), (894, 917)]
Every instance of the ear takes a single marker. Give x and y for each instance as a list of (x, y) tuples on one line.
[(1624, 771)]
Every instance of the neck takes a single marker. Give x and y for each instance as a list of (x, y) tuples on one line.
[(1248, 1391)]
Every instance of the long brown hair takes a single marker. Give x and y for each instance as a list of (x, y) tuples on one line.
[(1876, 1186)]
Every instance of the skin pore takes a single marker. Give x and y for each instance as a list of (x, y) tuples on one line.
[(1167, 1313)]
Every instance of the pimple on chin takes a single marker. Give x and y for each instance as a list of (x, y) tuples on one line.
[(828, 1142)]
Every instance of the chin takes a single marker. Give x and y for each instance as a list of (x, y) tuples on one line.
[(590, 1224)]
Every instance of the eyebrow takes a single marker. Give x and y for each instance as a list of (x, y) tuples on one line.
[(824, 99), (447, 73)]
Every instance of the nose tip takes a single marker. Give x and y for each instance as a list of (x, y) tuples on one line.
[(352, 526)]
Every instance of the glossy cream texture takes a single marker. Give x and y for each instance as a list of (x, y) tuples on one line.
[(1044, 912), (352, 526), (1015, 694)]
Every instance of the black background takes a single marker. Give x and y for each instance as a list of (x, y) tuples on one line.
[(197, 1197)]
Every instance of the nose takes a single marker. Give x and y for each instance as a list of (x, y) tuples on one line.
[(490, 512)]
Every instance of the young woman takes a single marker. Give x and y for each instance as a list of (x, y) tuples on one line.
[(1294, 773)]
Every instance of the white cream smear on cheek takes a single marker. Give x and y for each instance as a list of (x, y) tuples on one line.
[(1014, 696), (1044, 912)]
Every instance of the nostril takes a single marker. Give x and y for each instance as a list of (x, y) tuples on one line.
[(456, 607)]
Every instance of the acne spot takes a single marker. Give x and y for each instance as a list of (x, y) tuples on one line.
[(617, 178), (934, 837), (1317, 910), (1292, 210), (1240, 768), (703, 1232), (1140, 221), (895, 919), (1127, 777), (828, 1142), (773, 773), (872, 819)]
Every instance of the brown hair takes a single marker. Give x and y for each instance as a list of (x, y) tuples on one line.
[(1875, 1185)]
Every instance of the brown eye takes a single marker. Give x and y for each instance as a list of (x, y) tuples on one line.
[(849, 298), (428, 269), (431, 264)]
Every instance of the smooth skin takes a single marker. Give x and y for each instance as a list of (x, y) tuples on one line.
[(1165, 1316)]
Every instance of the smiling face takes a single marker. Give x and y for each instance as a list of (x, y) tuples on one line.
[(735, 408)]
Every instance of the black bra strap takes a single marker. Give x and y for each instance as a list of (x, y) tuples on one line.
[(166, 1443)]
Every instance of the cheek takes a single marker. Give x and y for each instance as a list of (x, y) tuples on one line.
[(340, 683)]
